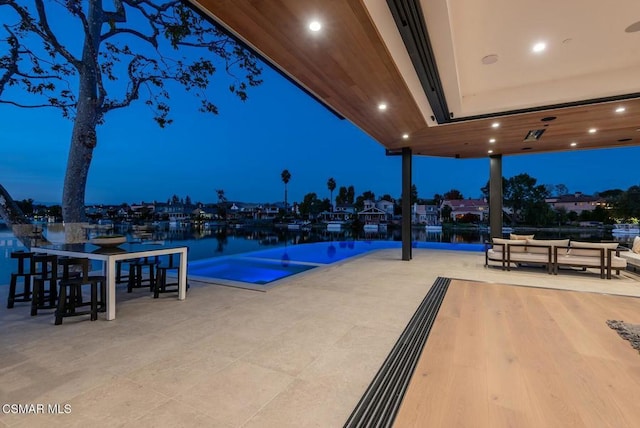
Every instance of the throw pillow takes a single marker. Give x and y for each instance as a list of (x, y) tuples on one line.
[(517, 245), (580, 248), (539, 246), (512, 236), (636, 245)]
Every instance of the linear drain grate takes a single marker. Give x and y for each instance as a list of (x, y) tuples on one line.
[(380, 403)]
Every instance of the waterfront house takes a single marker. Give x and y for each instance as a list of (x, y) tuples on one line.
[(372, 215), (578, 202), (386, 206), (465, 207), (424, 214)]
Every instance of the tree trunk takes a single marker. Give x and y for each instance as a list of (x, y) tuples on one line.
[(84, 137), (20, 225), (83, 141)]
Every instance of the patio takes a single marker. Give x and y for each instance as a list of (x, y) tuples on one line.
[(301, 354)]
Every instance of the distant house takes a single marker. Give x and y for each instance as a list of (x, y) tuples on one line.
[(462, 207), (386, 206), (424, 214), (342, 212), (266, 212), (372, 215), (577, 202)]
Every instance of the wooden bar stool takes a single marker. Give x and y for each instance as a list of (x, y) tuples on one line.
[(45, 271), (161, 277), (119, 277), (70, 290), (136, 273), (24, 271)]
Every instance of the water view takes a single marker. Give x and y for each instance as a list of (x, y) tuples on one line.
[(206, 243)]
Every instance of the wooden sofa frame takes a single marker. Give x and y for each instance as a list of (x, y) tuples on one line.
[(553, 260)]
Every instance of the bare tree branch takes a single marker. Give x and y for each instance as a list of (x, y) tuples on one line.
[(48, 35), (14, 103), (152, 40)]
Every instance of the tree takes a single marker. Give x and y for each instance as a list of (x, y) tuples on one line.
[(40, 65), (26, 206), (366, 196), (286, 176), (445, 214), (414, 194), (628, 203), (342, 196), (560, 189), (222, 204), (9, 62), (453, 194), (351, 195), (331, 185), (310, 206), (523, 196)]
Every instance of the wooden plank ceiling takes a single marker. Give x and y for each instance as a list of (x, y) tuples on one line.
[(348, 67)]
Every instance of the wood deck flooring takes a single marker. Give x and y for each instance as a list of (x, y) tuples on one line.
[(509, 356)]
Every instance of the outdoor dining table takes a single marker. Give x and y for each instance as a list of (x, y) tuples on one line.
[(110, 255)]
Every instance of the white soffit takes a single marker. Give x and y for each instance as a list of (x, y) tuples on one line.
[(386, 26)]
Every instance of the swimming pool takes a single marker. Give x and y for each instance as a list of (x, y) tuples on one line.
[(258, 269)]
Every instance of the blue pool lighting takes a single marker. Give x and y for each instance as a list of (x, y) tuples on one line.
[(258, 269)]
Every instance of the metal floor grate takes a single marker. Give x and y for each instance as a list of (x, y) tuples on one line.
[(381, 401)]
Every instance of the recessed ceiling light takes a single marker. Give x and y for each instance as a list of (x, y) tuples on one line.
[(574, 144), (490, 59), (539, 47), (633, 27), (492, 140), (490, 151), (620, 109), (593, 131), (382, 106), (405, 136), (315, 26), (495, 125)]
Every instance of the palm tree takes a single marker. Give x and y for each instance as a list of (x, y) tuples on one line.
[(286, 176), (331, 185)]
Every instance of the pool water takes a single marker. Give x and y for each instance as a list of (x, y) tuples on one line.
[(266, 266), (258, 272)]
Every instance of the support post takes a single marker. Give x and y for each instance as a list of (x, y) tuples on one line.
[(406, 203), (495, 196)]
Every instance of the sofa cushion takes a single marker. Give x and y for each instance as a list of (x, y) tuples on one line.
[(589, 261), (631, 257), (533, 244), (636, 245), (512, 236), (577, 248), (519, 246), (530, 257), (495, 254)]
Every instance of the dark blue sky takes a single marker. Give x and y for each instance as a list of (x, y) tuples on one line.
[(244, 149)]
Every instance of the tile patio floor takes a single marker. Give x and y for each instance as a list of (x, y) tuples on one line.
[(299, 355)]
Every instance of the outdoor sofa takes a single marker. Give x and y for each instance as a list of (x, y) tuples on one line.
[(633, 255), (555, 253)]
